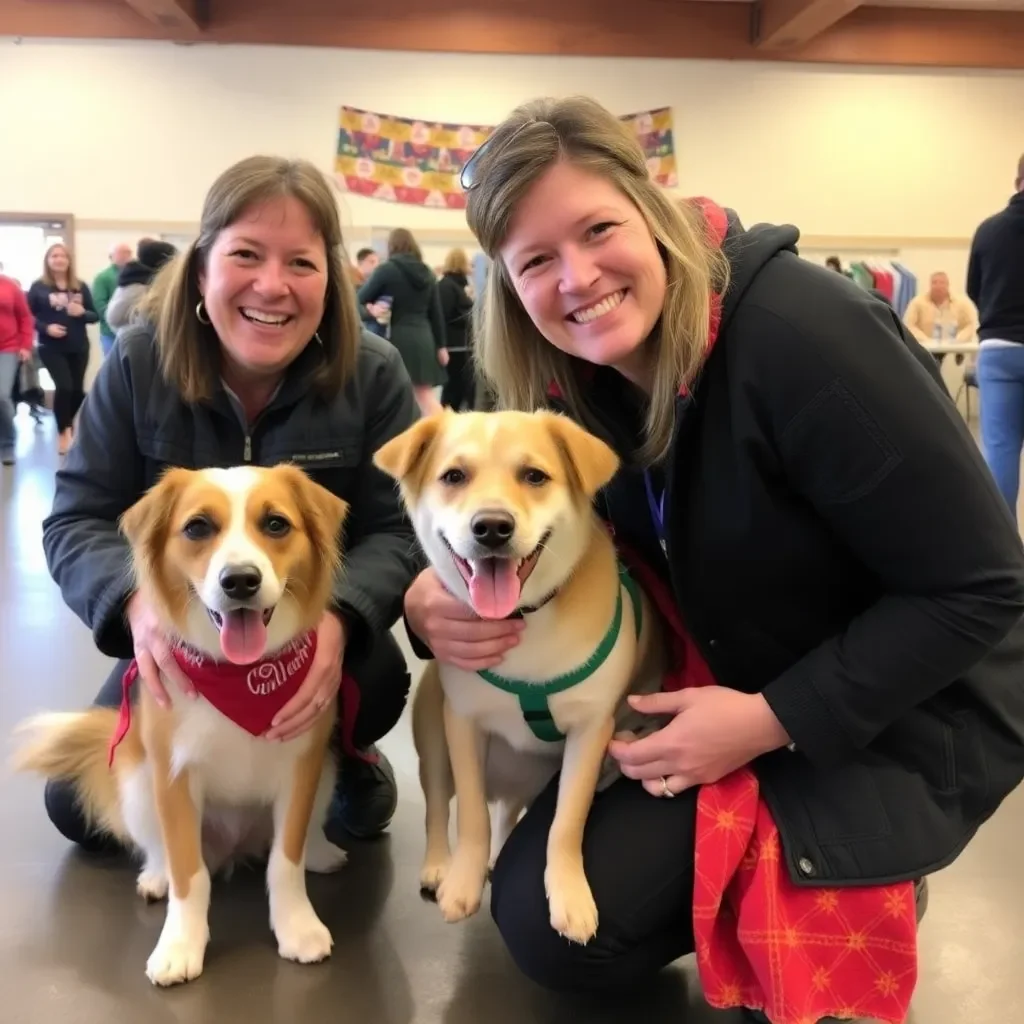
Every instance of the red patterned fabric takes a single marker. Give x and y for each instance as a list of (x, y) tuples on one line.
[(798, 954)]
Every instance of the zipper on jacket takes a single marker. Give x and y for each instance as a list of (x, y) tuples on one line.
[(247, 450)]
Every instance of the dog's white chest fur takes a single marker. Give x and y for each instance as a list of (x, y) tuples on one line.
[(232, 766)]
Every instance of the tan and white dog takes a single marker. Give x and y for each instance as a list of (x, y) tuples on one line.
[(502, 506), (238, 564)]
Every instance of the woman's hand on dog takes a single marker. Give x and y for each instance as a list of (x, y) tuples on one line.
[(714, 730), (452, 630), (319, 687), (153, 653)]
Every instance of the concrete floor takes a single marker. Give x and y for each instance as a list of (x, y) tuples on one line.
[(74, 937)]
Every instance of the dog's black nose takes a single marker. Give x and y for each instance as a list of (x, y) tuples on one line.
[(240, 582), (492, 529)]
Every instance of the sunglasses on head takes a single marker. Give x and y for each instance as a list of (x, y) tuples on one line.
[(468, 177)]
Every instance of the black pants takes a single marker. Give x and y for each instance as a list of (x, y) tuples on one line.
[(459, 390), (68, 372), (383, 680), (638, 855)]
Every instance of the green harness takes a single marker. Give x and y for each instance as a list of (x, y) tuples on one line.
[(533, 697)]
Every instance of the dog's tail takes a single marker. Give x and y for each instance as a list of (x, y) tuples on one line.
[(73, 746)]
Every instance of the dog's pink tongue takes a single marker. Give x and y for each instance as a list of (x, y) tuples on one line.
[(494, 588), (243, 636)]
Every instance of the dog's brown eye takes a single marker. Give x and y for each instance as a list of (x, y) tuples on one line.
[(275, 525), (453, 477), (535, 477), (199, 528)]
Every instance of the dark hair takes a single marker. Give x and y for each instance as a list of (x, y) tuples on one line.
[(188, 360), (364, 252), (401, 242)]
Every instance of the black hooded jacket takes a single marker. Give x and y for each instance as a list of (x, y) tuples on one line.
[(416, 317), (836, 542)]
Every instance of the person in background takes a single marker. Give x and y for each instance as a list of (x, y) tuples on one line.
[(62, 306), (248, 349), (374, 315), (416, 326), (840, 575), (938, 316), (103, 287), (457, 309), (16, 335), (135, 278), (995, 283)]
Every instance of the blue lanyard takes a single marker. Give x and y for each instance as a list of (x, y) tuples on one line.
[(657, 506)]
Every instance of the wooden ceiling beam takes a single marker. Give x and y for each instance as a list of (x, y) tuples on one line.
[(177, 19), (785, 24), (877, 36)]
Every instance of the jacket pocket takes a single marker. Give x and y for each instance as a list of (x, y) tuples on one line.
[(844, 804)]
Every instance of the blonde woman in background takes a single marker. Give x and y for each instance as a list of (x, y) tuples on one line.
[(848, 582), (62, 306), (457, 310), (416, 325)]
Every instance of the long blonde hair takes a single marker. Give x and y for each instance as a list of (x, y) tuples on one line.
[(189, 349), (49, 280), (514, 357)]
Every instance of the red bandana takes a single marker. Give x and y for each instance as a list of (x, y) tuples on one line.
[(248, 695), (799, 954)]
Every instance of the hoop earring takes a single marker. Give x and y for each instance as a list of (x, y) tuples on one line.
[(201, 314), (318, 339)]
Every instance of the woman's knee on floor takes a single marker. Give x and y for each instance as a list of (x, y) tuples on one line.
[(538, 950)]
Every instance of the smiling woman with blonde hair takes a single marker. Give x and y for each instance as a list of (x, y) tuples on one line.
[(844, 585)]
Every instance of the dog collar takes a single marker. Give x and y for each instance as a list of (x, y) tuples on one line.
[(533, 697), (248, 695)]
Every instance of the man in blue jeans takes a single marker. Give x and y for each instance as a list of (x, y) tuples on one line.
[(995, 283)]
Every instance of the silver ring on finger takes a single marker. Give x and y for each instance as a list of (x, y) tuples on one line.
[(665, 790)]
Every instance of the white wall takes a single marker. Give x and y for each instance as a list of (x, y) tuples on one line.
[(136, 132)]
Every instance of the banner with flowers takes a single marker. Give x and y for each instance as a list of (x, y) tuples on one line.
[(403, 160)]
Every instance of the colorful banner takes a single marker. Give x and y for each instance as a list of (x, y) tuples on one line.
[(418, 162)]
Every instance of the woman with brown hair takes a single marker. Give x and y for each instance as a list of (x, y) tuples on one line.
[(843, 585), (62, 306), (416, 327), (248, 349)]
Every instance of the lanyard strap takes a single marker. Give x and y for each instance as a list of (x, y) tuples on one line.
[(657, 506)]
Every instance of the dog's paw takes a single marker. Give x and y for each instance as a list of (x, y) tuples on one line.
[(322, 856), (432, 875), (178, 957), (152, 885), (571, 904), (303, 937), (461, 890)]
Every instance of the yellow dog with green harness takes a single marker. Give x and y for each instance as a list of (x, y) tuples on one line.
[(502, 504)]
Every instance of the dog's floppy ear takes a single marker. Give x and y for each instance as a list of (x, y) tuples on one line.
[(323, 512), (401, 456), (591, 463), (146, 523)]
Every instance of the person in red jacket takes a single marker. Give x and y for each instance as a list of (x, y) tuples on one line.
[(16, 331)]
